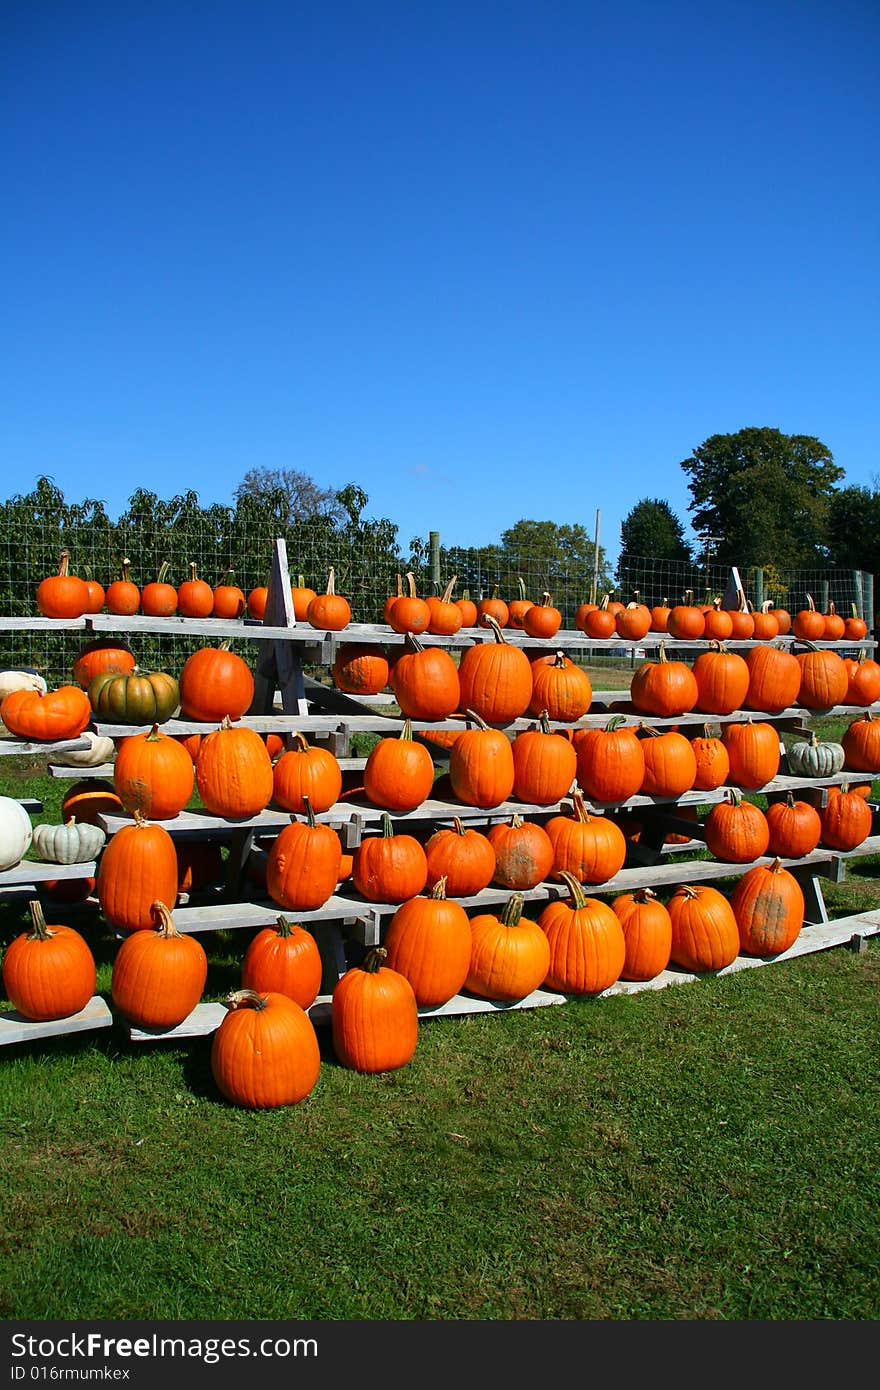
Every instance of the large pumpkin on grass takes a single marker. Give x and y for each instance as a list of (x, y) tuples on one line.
[(265, 1052), (374, 1016)]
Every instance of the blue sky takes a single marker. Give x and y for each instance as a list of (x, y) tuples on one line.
[(489, 261)]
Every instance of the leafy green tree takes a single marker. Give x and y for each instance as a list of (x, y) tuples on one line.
[(764, 495), (655, 559), (291, 494), (854, 528)]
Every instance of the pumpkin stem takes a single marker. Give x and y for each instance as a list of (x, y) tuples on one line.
[(575, 888), (439, 889), (411, 584), (310, 814), (39, 931), (165, 924), (284, 927), (446, 596), (374, 960), (163, 572), (64, 563), (473, 718), (644, 895), (331, 581), (246, 998), (493, 623), (512, 910), (193, 574), (154, 735)]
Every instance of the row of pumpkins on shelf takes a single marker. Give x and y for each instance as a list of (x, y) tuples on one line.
[(65, 595), (265, 1052)]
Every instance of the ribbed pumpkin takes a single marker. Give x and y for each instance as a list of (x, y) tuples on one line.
[(229, 599), (670, 763), (587, 946), (48, 971), (134, 697), (234, 772), (69, 843), (510, 954), (634, 622), (284, 958), (766, 623), (158, 597), (863, 675), (302, 867), (861, 744), (408, 612), (374, 1016), (425, 681), (590, 848), (301, 595), (647, 933), (610, 761), (542, 620), (265, 1052), (722, 680), (446, 617), (123, 596), (663, 687), (754, 753), (814, 757), (519, 606), (686, 620), (463, 856), (16, 832), (481, 766), (153, 774), (399, 772), (795, 827), (523, 853), (713, 764), (847, 820), (215, 682), (104, 655), (46, 715), (62, 595), (544, 764), (495, 678), (329, 611), (718, 623), (705, 936), (428, 941), (306, 771), (158, 976), (360, 669), (808, 623), (492, 608), (90, 798), (736, 830), (195, 597), (824, 678), (774, 679), (560, 687), (389, 867), (138, 866), (768, 904)]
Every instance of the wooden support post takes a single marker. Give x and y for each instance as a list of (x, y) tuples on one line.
[(240, 846), (815, 911), (279, 665)]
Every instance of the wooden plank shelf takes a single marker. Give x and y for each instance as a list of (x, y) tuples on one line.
[(14, 1028), (24, 748), (39, 871)]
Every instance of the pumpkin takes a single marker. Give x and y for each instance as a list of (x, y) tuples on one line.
[(468, 609), (46, 717), (824, 678), (409, 612), (49, 971), (544, 764), (660, 616), (90, 798), (834, 624), (634, 622), (153, 774), (265, 1052), (195, 597), (446, 617), (481, 766), (855, 628), (301, 595), (492, 608), (62, 595), (234, 772), (610, 761), (399, 772), (69, 890), (389, 867), (428, 941), (215, 682), (795, 827), (670, 763), (599, 620), (863, 675), (686, 620), (329, 611), (847, 820), (754, 752), (663, 687), (523, 853), (717, 622), (815, 757), (302, 867), (361, 669), (542, 619), (736, 830), (306, 771), (647, 933), (374, 1016), (16, 832), (97, 657), (227, 598), (743, 622), (774, 679), (495, 678), (590, 848), (138, 866), (560, 687), (587, 946), (139, 697), (159, 598), (100, 750), (510, 954), (463, 856), (766, 623), (808, 623), (768, 904), (705, 935), (425, 681), (519, 606), (284, 958), (123, 596), (783, 617), (95, 591), (69, 843), (20, 680), (861, 744), (722, 680), (257, 599), (158, 976), (713, 763)]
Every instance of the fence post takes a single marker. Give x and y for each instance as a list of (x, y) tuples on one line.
[(759, 587), (825, 596), (860, 597), (434, 545), (869, 614)]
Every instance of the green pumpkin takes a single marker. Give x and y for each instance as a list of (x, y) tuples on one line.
[(142, 697), (815, 758)]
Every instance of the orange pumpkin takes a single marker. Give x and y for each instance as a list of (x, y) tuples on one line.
[(374, 1017), (46, 716), (215, 682), (587, 946), (428, 941), (284, 958), (768, 904), (265, 1052), (63, 595), (153, 774), (495, 678), (234, 772), (510, 954), (158, 976), (49, 971), (137, 867), (647, 932)]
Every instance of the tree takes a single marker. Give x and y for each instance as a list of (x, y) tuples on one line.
[(854, 528), (764, 495), (655, 559), (292, 495)]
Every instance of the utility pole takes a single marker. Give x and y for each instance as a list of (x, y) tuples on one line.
[(595, 587)]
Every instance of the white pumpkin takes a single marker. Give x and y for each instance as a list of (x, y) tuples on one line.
[(100, 750), (21, 680), (73, 843), (16, 832)]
